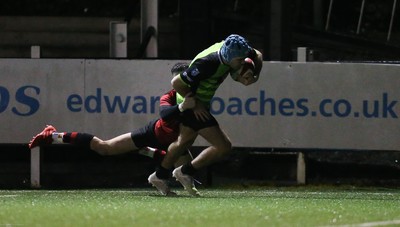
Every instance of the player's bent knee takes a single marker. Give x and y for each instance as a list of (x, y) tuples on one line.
[(184, 142), (225, 148)]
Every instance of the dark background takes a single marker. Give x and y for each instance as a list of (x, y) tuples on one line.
[(186, 27), (79, 29)]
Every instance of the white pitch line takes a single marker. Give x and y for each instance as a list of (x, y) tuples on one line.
[(11, 225), (7, 196), (369, 224)]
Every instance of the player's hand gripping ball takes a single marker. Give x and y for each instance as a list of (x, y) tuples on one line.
[(248, 67), (245, 74)]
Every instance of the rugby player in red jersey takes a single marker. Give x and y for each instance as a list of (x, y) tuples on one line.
[(151, 140)]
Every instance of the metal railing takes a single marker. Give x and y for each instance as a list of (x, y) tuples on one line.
[(361, 16), (150, 32)]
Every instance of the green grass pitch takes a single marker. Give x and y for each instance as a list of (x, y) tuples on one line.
[(254, 206)]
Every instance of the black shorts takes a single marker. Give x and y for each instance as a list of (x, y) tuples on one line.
[(145, 137), (190, 120)]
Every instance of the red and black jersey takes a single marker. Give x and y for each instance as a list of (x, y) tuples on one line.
[(166, 129)]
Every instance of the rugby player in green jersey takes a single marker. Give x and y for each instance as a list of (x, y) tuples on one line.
[(234, 57)]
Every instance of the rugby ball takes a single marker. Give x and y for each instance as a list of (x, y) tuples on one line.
[(247, 65)]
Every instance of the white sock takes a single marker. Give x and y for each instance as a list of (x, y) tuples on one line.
[(147, 151), (57, 137)]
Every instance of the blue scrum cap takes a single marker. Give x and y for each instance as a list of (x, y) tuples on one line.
[(234, 46)]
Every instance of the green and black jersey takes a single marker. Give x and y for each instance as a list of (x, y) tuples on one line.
[(205, 73)]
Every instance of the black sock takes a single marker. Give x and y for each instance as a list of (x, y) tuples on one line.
[(188, 169), (159, 155), (81, 139), (163, 173)]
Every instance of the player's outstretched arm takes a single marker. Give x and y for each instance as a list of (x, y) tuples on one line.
[(181, 87)]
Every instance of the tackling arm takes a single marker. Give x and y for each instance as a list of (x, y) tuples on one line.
[(181, 87), (168, 107)]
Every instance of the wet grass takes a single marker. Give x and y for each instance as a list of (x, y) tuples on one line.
[(255, 206)]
